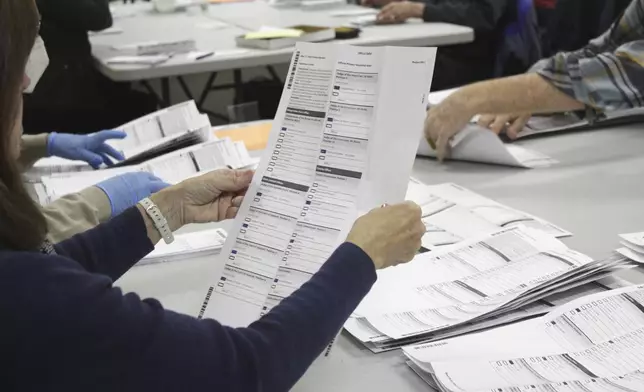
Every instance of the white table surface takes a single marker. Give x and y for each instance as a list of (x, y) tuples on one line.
[(596, 192), (241, 17)]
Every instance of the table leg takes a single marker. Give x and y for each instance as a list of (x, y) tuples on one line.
[(165, 91)]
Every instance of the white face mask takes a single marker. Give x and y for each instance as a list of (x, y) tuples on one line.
[(37, 64)]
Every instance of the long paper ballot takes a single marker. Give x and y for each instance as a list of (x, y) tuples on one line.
[(343, 142)]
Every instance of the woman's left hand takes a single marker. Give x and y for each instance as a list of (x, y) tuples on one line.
[(211, 197)]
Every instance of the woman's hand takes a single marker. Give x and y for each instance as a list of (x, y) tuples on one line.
[(211, 197), (511, 124), (389, 235)]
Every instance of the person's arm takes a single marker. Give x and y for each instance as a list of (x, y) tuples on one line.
[(514, 94), (105, 249), (481, 15), (76, 213), (32, 148), (87, 15), (126, 343)]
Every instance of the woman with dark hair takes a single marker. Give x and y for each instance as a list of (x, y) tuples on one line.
[(66, 328)]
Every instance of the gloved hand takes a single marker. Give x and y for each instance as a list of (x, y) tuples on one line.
[(126, 190), (89, 148)]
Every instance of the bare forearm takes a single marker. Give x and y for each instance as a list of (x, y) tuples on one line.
[(527, 93)]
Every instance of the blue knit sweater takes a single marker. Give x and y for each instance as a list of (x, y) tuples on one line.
[(64, 327)]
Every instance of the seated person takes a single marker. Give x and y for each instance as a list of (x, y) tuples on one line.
[(67, 328), (73, 95), (78, 212), (457, 65), (606, 75)]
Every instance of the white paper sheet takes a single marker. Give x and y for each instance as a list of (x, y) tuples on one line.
[(452, 213), (477, 144), (594, 337), (330, 157), (173, 167), (186, 246), (476, 278)]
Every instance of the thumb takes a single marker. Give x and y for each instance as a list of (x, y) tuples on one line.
[(93, 159), (228, 180)]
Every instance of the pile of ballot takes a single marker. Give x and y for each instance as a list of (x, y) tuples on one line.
[(205, 243), (632, 246), (487, 265), (592, 344), (174, 144)]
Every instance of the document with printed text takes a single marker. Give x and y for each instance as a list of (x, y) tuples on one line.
[(342, 143), (592, 344)]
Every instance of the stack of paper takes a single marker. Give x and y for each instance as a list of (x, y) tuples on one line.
[(478, 144), (148, 137), (204, 243), (632, 246), (452, 214), (172, 168), (330, 157), (592, 344), (495, 275)]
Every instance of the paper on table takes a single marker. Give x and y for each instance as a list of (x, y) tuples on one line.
[(172, 168), (109, 31), (600, 335), (139, 60), (354, 12), (476, 278), (477, 144), (452, 213), (366, 20), (631, 254), (160, 127), (320, 170), (186, 246)]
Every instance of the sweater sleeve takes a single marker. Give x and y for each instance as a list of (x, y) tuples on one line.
[(481, 15), (110, 248), (32, 148), (75, 213), (119, 342)]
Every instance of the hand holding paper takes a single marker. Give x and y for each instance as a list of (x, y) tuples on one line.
[(390, 234)]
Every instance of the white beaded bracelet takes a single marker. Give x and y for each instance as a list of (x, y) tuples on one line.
[(158, 219)]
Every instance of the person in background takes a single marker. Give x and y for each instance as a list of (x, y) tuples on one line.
[(72, 95), (606, 75), (74, 213), (66, 327), (457, 65), (81, 211)]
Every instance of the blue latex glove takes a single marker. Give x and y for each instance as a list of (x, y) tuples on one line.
[(89, 148), (126, 190)]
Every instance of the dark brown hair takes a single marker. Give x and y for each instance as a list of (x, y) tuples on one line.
[(22, 225)]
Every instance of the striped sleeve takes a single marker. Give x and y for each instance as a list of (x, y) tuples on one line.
[(607, 74)]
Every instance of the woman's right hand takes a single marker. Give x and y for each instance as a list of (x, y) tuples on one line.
[(389, 235)]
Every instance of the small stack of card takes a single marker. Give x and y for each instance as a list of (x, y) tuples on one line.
[(632, 246)]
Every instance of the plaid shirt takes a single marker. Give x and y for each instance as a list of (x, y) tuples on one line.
[(607, 74)]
